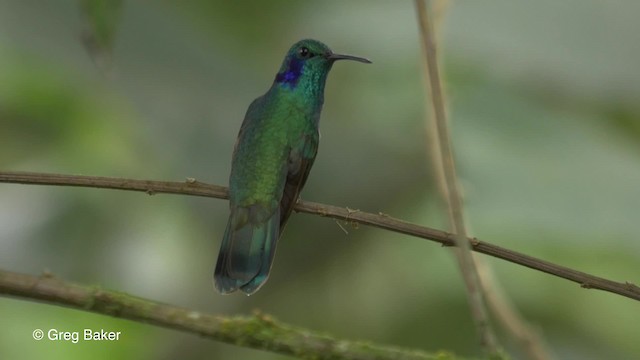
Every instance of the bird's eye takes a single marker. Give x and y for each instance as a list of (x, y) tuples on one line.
[(304, 52)]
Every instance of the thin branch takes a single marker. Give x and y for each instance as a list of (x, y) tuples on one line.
[(380, 220), (259, 331), (529, 340), (450, 185), (496, 299)]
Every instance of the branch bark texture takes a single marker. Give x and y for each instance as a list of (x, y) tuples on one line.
[(379, 220), (259, 331)]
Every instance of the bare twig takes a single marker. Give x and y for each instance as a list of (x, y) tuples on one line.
[(379, 220), (259, 331), (508, 316), (497, 301), (450, 186)]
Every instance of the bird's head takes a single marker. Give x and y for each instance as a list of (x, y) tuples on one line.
[(310, 60)]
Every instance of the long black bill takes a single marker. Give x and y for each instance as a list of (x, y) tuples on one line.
[(335, 57)]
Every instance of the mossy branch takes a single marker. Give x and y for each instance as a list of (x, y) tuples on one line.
[(259, 331)]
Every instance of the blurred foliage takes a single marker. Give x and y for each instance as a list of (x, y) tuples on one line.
[(102, 20), (544, 106)]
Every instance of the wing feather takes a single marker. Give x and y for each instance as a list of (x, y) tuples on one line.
[(299, 165)]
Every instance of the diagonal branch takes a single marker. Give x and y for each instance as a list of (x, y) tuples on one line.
[(259, 331), (443, 163), (449, 183), (380, 220)]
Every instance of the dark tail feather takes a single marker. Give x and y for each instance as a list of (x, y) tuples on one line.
[(246, 255)]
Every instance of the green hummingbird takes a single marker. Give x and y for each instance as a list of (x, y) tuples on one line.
[(273, 154)]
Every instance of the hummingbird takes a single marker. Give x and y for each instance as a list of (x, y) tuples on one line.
[(272, 157)]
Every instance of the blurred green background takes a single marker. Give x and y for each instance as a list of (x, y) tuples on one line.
[(545, 107)]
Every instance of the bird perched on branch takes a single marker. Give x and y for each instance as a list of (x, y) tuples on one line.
[(276, 146)]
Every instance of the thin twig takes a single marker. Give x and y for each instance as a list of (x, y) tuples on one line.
[(259, 331), (507, 315), (379, 220), (450, 186), (497, 301)]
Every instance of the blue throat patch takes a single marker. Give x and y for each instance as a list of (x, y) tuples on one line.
[(292, 74)]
